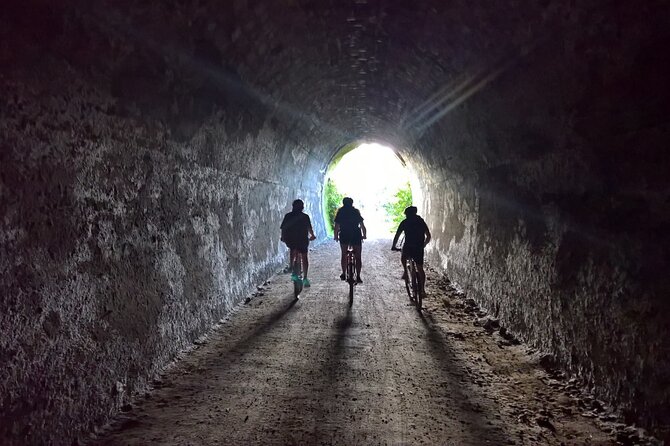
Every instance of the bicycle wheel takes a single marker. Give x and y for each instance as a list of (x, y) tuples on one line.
[(415, 282), (408, 286), (351, 268), (297, 279)]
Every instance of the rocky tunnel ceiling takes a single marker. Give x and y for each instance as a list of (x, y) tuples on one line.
[(335, 71), (149, 150)]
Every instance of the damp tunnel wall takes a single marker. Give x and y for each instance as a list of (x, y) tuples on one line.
[(140, 202), (148, 154), (551, 204)]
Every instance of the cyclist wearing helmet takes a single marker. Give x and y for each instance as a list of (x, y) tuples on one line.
[(296, 232), (350, 231), (417, 237)]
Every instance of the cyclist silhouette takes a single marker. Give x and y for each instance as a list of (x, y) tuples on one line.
[(417, 237), (296, 232), (350, 231)]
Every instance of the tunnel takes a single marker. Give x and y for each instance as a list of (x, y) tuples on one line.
[(150, 149)]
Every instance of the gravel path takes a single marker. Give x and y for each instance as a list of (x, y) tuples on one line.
[(316, 371)]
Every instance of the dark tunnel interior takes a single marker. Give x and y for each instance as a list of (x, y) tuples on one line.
[(149, 149)]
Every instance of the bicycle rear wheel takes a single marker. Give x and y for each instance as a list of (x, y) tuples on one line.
[(351, 268), (408, 285), (416, 287), (415, 283), (297, 279)]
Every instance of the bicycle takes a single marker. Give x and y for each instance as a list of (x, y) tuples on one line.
[(350, 273), (412, 281), (296, 277)]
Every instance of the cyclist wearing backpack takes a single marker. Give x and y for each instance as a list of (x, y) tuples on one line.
[(350, 231), (417, 237), (296, 232)]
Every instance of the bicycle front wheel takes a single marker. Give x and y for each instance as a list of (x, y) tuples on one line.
[(297, 278)]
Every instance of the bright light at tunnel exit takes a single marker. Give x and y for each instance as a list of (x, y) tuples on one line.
[(372, 174)]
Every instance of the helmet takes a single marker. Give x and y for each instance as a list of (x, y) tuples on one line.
[(411, 210), (346, 201)]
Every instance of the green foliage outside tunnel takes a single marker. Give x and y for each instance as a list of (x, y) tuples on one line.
[(333, 200), (395, 209)]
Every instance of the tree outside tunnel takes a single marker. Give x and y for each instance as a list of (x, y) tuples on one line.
[(377, 179)]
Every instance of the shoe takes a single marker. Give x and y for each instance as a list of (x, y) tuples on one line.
[(404, 276), (359, 280), (295, 278), (305, 282), (343, 276)]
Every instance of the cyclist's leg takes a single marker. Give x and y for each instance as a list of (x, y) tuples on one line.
[(305, 264), (403, 262), (294, 272), (295, 260), (418, 259), (357, 253), (422, 276), (289, 267), (343, 258)]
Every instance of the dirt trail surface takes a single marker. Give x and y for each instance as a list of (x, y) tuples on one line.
[(316, 371)]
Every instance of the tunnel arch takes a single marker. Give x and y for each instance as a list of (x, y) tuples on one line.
[(148, 153), (341, 150), (363, 145)]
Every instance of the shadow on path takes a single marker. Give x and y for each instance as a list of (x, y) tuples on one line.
[(317, 400), (266, 324), (336, 390), (471, 403)]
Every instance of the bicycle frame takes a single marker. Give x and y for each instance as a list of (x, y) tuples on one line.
[(412, 282), (351, 272)]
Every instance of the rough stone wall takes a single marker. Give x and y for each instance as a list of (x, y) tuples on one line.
[(552, 208), (139, 201), (149, 149)]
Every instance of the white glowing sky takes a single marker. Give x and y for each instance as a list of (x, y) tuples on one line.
[(371, 174)]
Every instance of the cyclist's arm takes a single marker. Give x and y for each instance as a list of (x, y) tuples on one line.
[(364, 231), (281, 228), (337, 232), (428, 237), (397, 235), (310, 229)]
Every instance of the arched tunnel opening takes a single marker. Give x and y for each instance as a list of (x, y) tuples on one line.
[(148, 151), (379, 181)]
